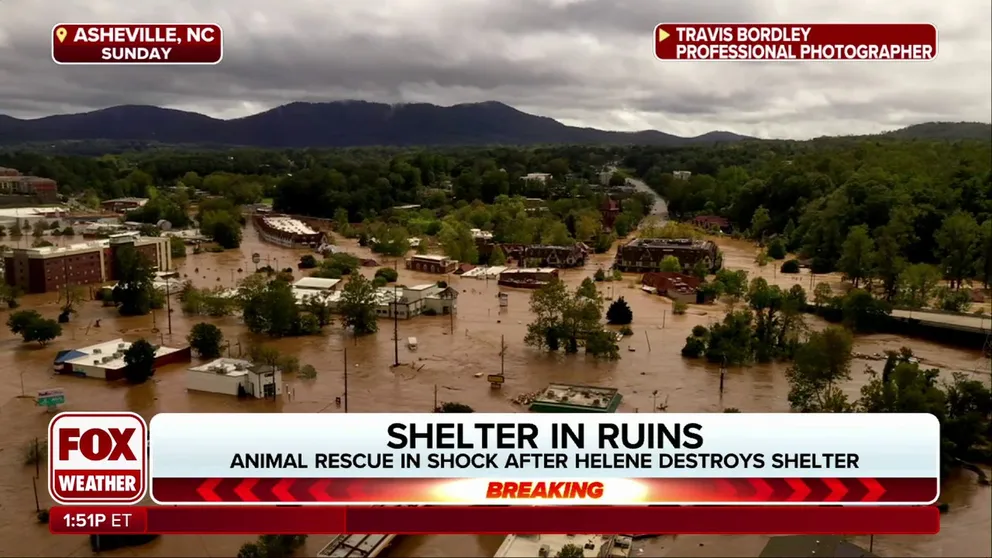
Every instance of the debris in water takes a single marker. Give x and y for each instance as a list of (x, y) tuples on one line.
[(478, 374)]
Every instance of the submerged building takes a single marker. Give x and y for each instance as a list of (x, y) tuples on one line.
[(567, 398), (286, 231), (642, 255)]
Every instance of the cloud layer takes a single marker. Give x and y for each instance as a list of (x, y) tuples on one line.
[(584, 62)]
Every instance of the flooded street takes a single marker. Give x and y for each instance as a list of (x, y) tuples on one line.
[(451, 353)]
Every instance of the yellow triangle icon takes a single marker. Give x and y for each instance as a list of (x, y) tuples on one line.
[(662, 34)]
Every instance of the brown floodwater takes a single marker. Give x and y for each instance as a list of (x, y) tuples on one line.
[(451, 355)]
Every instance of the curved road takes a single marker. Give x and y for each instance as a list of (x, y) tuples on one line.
[(660, 208)]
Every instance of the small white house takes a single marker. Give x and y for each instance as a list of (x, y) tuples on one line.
[(232, 376), (682, 175), (541, 177)]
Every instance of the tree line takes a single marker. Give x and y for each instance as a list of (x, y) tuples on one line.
[(869, 208)]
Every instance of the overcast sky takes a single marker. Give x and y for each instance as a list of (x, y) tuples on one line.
[(584, 62)]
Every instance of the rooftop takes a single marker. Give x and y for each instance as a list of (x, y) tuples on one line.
[(668, 243), (127, 200), (109, 354), (232, 367), (431, 257), (820, 546), (289, 225), (31, 211), (583, 397), (316, 283), (516, 270), (606, 546)]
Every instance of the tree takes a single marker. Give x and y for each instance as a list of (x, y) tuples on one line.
[(31, 326), (307, 261), (918, 282), (619, 312), (822, 294), (984, 264), (177, 246), (760, 222), (42, 331), (733, 284), (133, 292), (458, 242), (497, 256), (776, 249), (358, 304), (39, 229), (453, 408), (270, 307), (857, 255), (19, 321), (221, 226), (671, 264), (819, 365), (139, 360), (206, 340), (388, 274), (570, 551), (272, 546), (15, 230), (790, 266), (956, 241)]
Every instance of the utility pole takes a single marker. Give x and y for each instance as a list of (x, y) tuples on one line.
[(435, 398), (346, 380), (502, 354), (723, 373), (396, 324), (654, 401), (168, 305)]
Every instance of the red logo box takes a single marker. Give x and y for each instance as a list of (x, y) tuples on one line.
[(97, 458)]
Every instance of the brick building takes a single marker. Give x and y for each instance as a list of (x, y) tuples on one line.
[(286, 231), (549, 256), (430, 263), (49, 268), (610, 210), (676, 286), (13, 183), (645, 254), (123, 205)]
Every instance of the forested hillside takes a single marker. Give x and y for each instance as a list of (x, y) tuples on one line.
[(834, 201), (911, 201)]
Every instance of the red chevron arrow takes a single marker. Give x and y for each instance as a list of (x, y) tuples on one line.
[(725, 491), (800, 490), (281, 490), (206, 490), (319, 490), (243, 490), (762, 490), (837, 490), (875, 490)]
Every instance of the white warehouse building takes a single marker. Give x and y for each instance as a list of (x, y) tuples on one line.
[(236, 377)]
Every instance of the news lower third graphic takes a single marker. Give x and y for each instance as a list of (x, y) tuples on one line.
[(792, 42), (163, 44), (527, 460)]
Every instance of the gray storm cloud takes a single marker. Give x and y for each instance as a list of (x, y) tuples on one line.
[(585, 62)]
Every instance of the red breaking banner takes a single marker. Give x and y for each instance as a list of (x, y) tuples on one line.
[(660, 491), (409, 520)]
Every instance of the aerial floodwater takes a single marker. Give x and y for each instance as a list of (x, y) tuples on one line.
[(453, 357)]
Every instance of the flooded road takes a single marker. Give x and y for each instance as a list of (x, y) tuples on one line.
[(451, 352)]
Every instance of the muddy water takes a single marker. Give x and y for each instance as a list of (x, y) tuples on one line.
[(450, 354)]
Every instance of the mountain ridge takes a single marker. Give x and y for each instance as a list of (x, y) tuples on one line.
[(357, 123)]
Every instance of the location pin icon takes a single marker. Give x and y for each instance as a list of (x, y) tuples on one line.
[(60, 33)]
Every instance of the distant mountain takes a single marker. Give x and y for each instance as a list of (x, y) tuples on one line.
[(337, 124), (944, 131)]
